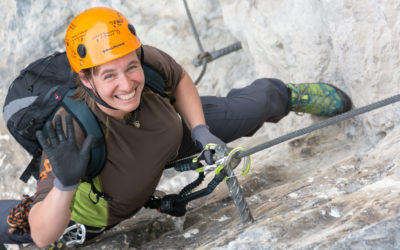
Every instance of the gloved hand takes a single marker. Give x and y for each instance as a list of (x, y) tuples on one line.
[(68, 163), (202, 136), (170, 205)]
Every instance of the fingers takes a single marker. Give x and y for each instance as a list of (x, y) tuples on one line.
[(212, 152), (51, 133), (56, 134), (70, 128), (208, 157), (59, 129)]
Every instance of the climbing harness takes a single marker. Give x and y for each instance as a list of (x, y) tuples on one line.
[(225, 163), (205, 57)]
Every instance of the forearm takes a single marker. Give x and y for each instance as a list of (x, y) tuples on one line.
[(49, 218), (188, 103)]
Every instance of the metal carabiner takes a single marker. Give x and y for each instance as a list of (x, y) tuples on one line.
[(74, 235), (223, 161), (231, 155)]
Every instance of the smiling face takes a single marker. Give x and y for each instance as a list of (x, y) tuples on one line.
[(119, 83)]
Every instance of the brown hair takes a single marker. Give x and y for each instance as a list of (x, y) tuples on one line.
[(81, 93)]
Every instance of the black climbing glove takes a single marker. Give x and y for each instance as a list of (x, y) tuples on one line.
[(202, 136), (68, 162), (171, 205)]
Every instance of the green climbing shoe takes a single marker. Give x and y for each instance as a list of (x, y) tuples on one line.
[(318, 99)]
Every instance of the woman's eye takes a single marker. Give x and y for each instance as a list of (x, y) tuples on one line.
[(109, 76), (130, 68)]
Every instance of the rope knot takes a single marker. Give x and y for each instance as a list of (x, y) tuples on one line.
[(18, 217)]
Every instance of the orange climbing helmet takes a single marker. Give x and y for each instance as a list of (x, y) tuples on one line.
[(99, 35)]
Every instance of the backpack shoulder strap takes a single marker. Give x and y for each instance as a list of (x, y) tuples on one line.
[(89, 124), (32, 169), (154, 80)]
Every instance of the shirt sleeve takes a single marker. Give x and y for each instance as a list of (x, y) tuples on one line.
[(46, 176), (170, 70)]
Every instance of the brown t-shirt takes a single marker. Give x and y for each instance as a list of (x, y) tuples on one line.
[(136, 156)]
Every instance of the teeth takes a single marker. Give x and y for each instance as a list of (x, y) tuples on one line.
[(126, 97)]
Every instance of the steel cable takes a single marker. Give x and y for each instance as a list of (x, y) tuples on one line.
[(196, 36), (319, 125), (204, 57)]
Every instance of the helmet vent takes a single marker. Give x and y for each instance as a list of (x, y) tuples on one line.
[(81, 50), (132, 29)]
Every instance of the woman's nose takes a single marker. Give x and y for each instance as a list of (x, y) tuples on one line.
[(125, 83)]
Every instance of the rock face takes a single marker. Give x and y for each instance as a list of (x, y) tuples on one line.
[(335, 188)]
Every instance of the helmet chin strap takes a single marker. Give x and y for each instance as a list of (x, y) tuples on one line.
[(97, 98), (141, 55)]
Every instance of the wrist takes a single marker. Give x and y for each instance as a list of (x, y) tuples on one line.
[(57, 183)]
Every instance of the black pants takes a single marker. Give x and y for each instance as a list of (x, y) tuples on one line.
[(239, 114)]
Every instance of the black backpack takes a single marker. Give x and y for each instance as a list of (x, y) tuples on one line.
[(36, 94)]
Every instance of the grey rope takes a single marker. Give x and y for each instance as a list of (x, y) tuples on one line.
[(321, 124)]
